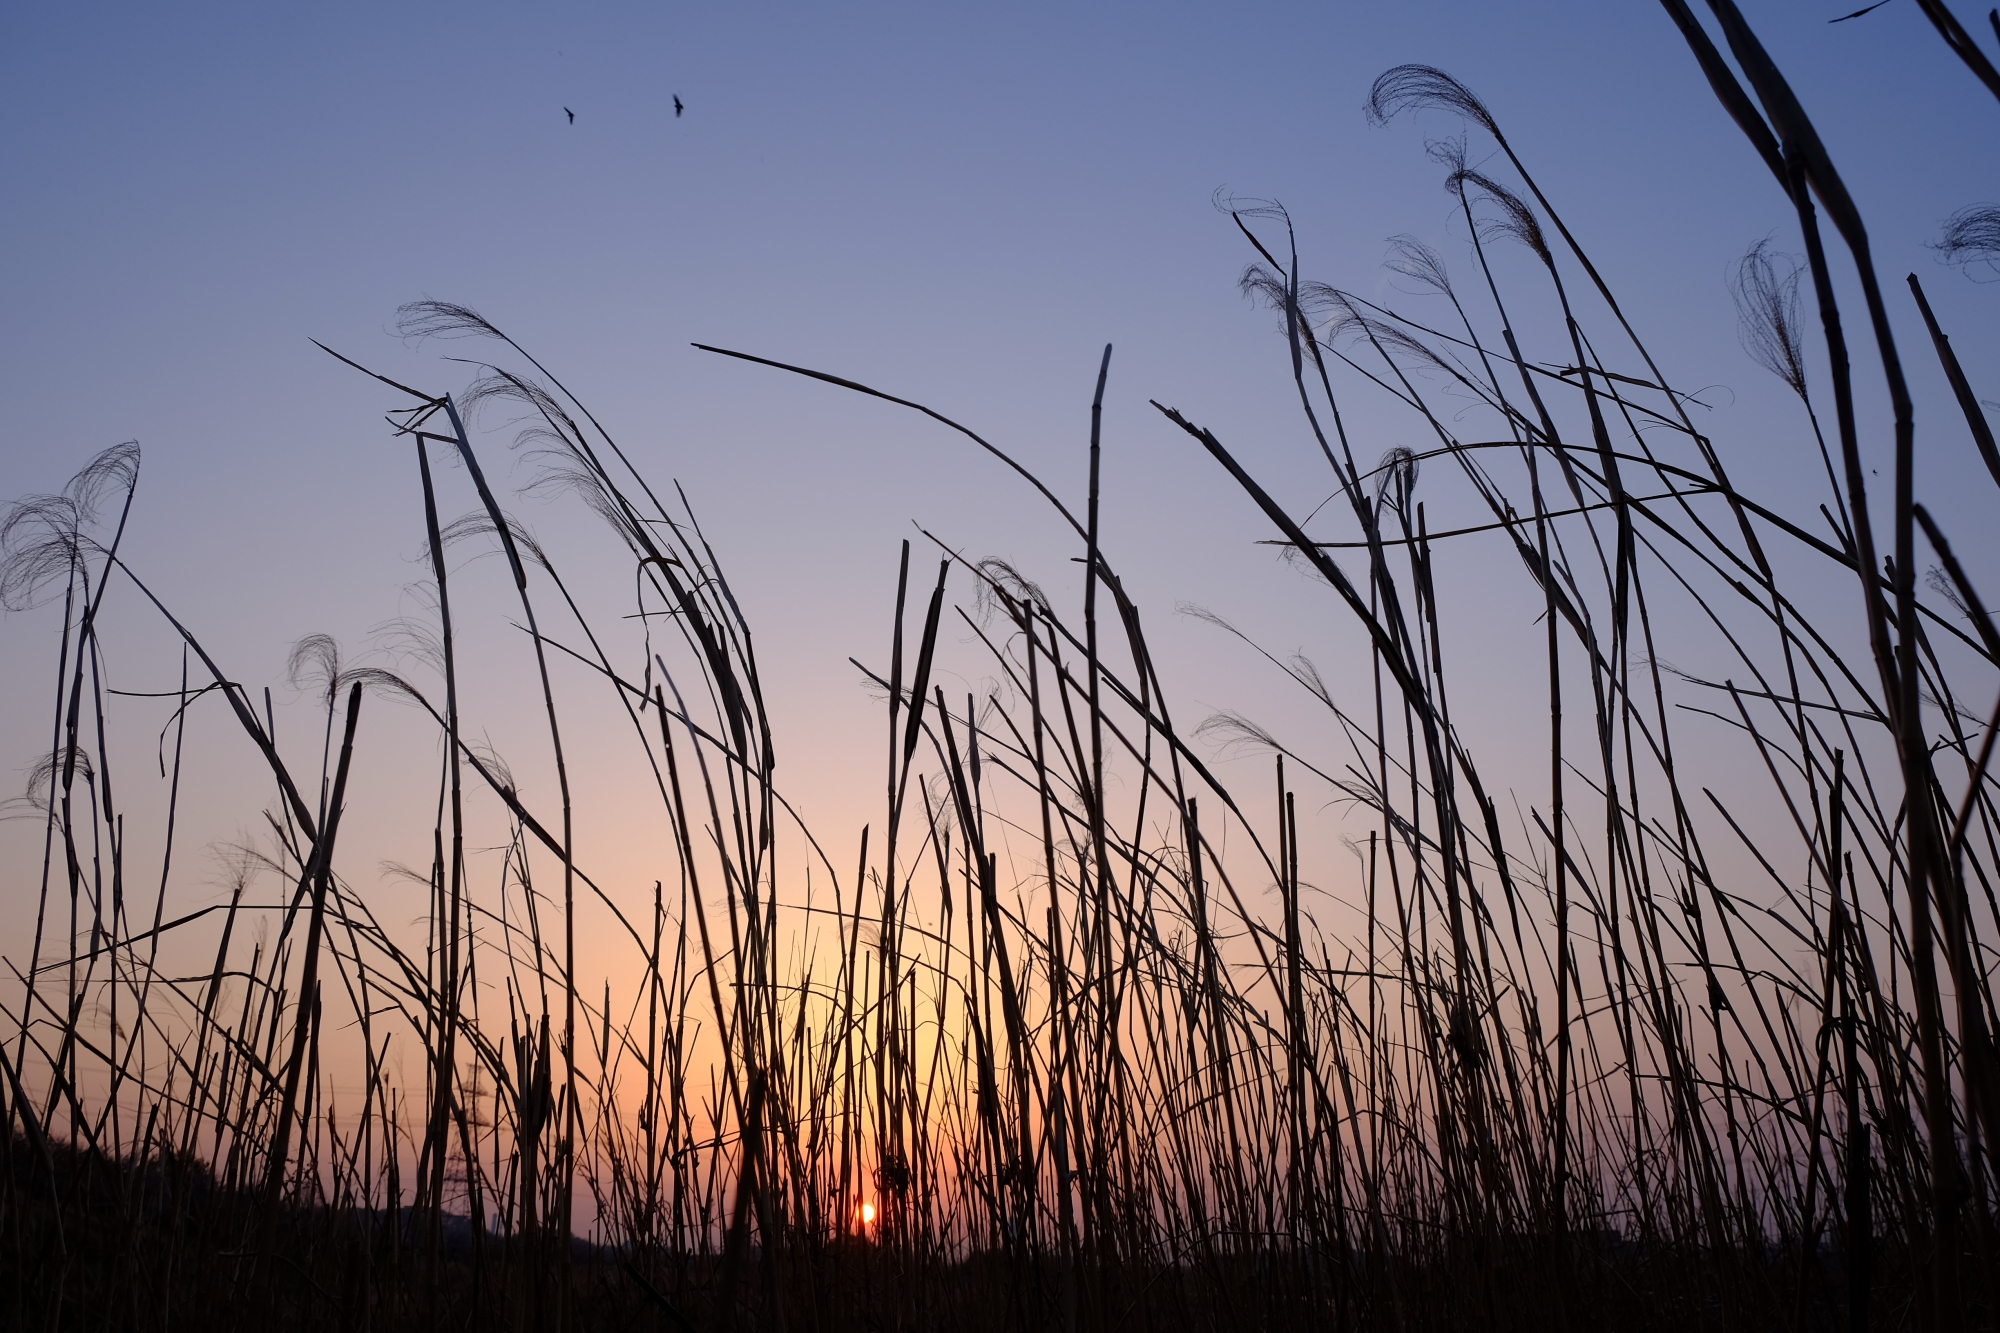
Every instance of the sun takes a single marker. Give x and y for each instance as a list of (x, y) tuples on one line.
[(867, 1214)]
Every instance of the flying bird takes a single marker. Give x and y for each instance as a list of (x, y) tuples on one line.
[(1859, 12), (678, 108), (570, 114)]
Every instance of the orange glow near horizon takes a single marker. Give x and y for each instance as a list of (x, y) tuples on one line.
[(867, 1214)]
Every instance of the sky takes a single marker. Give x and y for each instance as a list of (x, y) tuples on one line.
[(958, 204)]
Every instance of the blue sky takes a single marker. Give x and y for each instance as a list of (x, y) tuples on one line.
[(957, 203)]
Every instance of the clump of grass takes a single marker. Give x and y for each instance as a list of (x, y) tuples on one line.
[(1547, 1059)]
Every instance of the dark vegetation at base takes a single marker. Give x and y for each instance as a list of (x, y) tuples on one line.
[(1574, 1065), (89, 1244)]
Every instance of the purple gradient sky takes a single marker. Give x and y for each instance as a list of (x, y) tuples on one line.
[(956, 203)]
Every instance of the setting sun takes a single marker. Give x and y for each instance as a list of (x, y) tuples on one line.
[(867, 1214)]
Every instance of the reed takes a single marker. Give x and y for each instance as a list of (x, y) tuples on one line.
[(1582, 1042)]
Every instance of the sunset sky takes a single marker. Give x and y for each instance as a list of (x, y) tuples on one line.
[(959, 204)]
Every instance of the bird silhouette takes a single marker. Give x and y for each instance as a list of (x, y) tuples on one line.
[(678, 108), (571, 114)]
